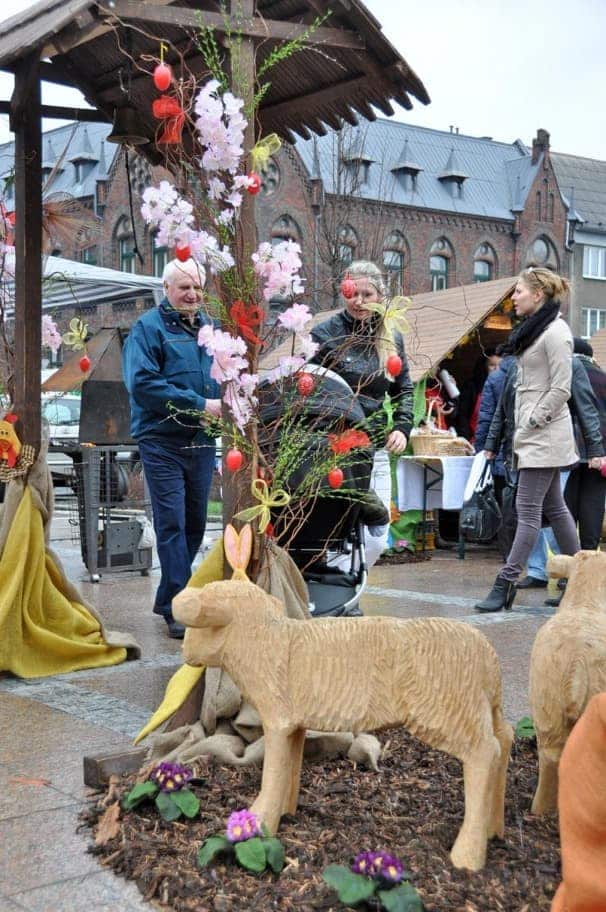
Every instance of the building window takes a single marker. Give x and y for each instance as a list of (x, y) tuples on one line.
[(538, 206), (160, 259), (594, 262), (89, 255), (542, 252), (270, 178), (127, 254), (592, 320), (438, 268), (394, 262), (551, 207), (347, 241), (284, 229), (484, 263)]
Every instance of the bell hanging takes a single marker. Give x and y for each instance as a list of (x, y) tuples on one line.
[(127, 129)]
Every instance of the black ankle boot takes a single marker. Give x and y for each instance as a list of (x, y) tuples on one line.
[(500, 596)]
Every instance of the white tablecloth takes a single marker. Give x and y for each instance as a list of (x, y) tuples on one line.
[(445, 494)]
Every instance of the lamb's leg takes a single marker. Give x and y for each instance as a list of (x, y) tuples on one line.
[(504, 735), (275, 781), (469, 850), (546, 795), (296, 743)]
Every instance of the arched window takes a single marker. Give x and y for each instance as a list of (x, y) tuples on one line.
[(126, 245), (347, 242), (538, 205), (484, 263), (159, 256), (551, 206), (440, 258), (394, 262), (285, 229), (270, 178), (542, 252)]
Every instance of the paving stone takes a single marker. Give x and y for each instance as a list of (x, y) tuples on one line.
[(97, 892)]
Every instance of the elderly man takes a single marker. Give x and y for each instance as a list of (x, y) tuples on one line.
[(167, 374)]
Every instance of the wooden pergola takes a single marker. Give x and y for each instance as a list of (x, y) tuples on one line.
[(345, 68)]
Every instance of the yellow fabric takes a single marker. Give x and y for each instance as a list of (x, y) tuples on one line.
[(185, 679), (42, 632)]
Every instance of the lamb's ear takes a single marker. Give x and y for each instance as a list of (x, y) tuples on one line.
[(559, 566), (196, 608), (238, 548)]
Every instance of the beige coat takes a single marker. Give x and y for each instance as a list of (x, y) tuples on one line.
[(543, 436)]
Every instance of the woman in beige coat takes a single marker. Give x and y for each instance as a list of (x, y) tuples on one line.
[(543, 437)]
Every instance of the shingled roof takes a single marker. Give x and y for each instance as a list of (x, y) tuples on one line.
[(345, 69), (587, 178)]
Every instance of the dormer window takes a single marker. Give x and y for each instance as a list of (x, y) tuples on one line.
[(453, 177), (406, 169)]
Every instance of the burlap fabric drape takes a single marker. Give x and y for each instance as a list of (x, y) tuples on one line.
[(229, 728)]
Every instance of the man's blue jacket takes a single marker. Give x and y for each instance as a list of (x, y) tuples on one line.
[(163, 363)]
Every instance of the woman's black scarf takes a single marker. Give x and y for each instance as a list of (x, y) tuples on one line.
[(530, 328)]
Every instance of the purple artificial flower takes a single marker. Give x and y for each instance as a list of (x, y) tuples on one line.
[(242, 825), (379, 866), (170, 777)]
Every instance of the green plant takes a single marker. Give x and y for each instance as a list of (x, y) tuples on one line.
[(375, 876), (247, 839), (167, 787), (525, 728)]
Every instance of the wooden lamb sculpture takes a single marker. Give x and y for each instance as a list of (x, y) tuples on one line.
[(567, 664), (441, 679)]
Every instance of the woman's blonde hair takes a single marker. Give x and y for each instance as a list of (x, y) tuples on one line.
[(537, 278), (365, 268)]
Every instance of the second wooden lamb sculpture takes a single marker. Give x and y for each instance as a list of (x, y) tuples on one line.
[(438, 678)]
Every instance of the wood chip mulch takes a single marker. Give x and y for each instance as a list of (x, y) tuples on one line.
[(412, 808), (404, 557)]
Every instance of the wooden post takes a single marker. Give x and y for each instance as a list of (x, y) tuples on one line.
[(236, 494), (26, 124)]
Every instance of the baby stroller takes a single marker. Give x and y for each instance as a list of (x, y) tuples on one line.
[(324, 534)]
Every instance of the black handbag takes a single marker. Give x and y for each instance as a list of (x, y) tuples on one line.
[(509, 516), (480, 517)]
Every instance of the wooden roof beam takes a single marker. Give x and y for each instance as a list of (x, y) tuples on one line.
[(255, 27), (84, 115), (333, 94)]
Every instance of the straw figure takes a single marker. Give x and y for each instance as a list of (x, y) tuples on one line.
[(440, 679), (567, 664)]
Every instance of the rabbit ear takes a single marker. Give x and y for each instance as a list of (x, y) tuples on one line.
[(238, 549)]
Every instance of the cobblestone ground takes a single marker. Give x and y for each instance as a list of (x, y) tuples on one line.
[(48, 725)]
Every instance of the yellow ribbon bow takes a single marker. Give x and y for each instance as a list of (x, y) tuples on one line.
[(267, 499), (262, 152), (393, 320), (76, 337)]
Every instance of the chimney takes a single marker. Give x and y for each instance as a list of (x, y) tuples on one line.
[(540, 145)]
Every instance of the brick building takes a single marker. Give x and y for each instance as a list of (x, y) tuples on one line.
[(436, 209)]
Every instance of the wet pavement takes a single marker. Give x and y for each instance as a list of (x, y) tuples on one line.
[(48, 725)]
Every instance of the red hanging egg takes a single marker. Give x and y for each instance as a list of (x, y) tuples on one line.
[(234, 459), (335, 477), (162, 77), (305, 384), (394, 365), (183, 253), (84, 363), (254, 184), (349, 289), (269, 531)]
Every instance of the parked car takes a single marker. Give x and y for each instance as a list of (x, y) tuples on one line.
[(62, 413)]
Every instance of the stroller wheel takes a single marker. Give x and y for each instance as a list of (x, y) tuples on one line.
[(353, 611)]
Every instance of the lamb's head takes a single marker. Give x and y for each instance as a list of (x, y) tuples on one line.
[(586, 574), (210, 613)]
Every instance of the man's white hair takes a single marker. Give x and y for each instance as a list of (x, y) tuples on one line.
[(175, 267)]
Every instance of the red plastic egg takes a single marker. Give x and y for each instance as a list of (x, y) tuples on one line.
[(394, 365), (349, 289), (84, 363), (234, 460), (254, 183), (335, 477), (305, 384), (183, 253), (162, 77)]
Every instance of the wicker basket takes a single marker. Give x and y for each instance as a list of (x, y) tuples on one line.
[(436, 444)]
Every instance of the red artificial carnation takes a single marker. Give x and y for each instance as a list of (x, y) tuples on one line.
[(348, 440)]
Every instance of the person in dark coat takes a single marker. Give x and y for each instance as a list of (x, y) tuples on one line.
[(491, 393), (469, 403)]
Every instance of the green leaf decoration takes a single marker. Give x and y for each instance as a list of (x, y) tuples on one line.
[(187, 802), (525, 728), (212, 847), (351, 888), (403, 898), (275, 854), (168, 809), (141, 792), (251, 854), (389, 412)]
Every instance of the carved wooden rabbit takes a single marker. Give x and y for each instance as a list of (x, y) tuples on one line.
[(439, 678)]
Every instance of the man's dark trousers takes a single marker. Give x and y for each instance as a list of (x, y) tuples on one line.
[(178, 477)]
